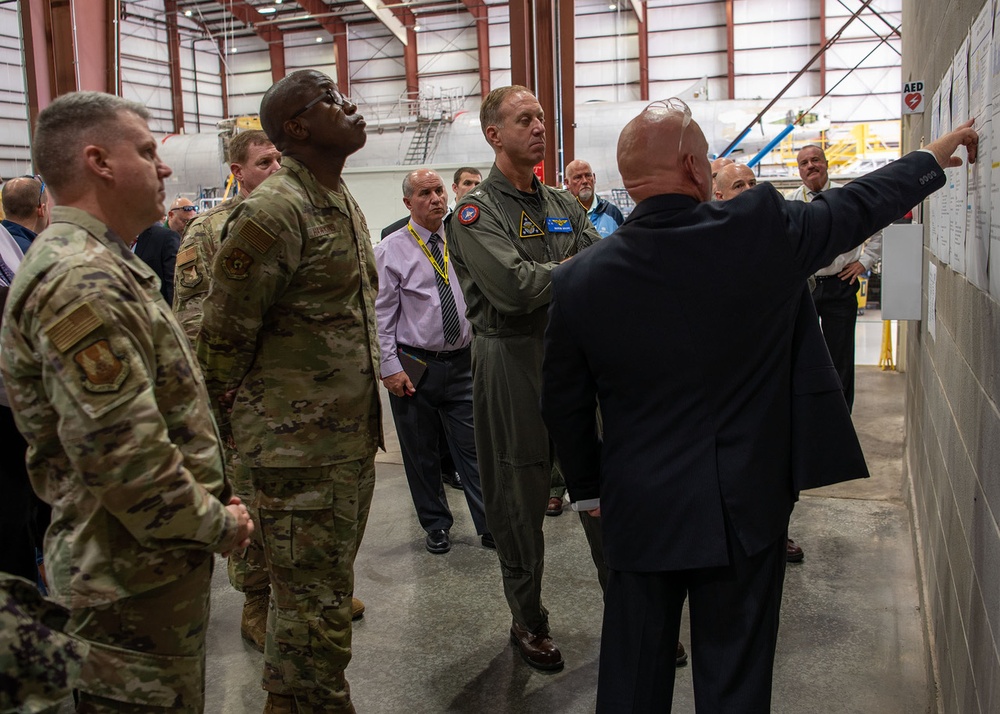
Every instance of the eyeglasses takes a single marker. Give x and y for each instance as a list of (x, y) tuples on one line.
[(332, 96), (669, 106)]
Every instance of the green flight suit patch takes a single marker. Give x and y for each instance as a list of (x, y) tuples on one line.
[(529, 229)]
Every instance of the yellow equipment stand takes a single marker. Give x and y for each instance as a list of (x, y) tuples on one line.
[(885, 355)]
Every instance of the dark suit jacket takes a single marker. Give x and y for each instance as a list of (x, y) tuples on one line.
[(157, 246), (693, 367)]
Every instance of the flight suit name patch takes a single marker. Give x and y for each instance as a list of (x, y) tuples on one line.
[(104, 370), (558, 225)]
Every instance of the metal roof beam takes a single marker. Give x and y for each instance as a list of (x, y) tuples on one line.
[(389, 18)]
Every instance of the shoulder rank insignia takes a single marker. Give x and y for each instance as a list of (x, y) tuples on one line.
[(104, 370), (237, 264), (558, 225), (74, 327), (467, 215), (528, 227)]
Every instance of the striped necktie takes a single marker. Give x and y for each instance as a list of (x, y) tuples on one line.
[(6, 274), (449, 311)]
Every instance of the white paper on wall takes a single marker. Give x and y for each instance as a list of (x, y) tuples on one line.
[(959, 181), (977, 247)]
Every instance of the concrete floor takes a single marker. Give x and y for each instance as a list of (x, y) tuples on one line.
[(434, 638)]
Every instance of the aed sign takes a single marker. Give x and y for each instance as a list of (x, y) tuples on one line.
[(913, 98)]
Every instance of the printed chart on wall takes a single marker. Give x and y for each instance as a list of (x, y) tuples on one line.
[(965, 216)]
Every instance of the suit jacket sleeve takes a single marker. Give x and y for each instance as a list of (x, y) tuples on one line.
[(569, 405), (168, 262)]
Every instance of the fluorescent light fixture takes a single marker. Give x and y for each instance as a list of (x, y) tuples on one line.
[(267, 10), (187, 13), (319, 39)]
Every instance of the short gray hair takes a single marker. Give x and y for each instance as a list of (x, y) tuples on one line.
[(71, 122)]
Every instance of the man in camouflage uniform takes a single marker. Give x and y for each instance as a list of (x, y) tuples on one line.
[(252, 159), (121, 441), (506, 236), (288, 341)]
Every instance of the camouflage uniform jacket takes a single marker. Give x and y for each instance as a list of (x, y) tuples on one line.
[(198, 247), (121, 441), (505, 246), (290, 322), (39, 662)]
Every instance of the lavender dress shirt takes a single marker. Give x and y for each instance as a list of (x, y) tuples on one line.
[(408, 306)]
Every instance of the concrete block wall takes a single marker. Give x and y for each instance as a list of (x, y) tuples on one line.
[(952, 447)]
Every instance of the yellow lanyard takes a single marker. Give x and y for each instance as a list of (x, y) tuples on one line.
[(443, 272)]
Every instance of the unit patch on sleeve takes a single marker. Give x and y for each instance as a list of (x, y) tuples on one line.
[(558, 225), (468, 215), (104, 371), (237, 264), (529, 229)]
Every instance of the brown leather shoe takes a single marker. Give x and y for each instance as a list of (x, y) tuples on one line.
[(682, 656), (793, 553), (555, 507), (538, 650), (253, 625), (357, 609), (280, 704)]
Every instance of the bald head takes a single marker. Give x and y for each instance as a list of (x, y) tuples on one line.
[(664, 151), (732, 180), (181, 212), (719, 163)]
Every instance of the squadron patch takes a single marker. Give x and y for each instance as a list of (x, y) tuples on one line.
[(190, 277), (74, 327), (104, 371), (558, 225), (237, 264), (529, 229), (256, 237), (467, 215)]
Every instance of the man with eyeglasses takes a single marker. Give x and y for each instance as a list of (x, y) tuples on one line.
[(507, 235), (290, 354), (182, 211), (26, 204), (694, 478)]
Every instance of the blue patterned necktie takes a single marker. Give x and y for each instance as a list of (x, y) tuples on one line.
[(449, 311)]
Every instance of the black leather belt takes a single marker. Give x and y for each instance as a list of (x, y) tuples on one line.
[(444, 354)]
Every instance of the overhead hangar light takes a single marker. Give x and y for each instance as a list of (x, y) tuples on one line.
[(267, 10), (187, 13)]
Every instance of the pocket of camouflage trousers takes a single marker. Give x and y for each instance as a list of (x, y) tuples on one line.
[(302, 540)]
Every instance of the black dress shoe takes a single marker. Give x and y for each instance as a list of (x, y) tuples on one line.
[(487, 541), (452, 479), (538, 650), (437, 542)]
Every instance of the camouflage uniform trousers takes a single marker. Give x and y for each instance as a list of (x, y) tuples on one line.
[(247, 569), (151, 648), (312, 521)]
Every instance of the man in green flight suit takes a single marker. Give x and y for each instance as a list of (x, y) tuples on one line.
[(506, 236), (288, 331)]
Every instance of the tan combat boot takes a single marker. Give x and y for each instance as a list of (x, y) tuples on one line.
[(280, 704), (357, 609), (253, 626)]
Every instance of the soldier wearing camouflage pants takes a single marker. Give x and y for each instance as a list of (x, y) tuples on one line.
[(252, 159), (106, 392), (289, 328)]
